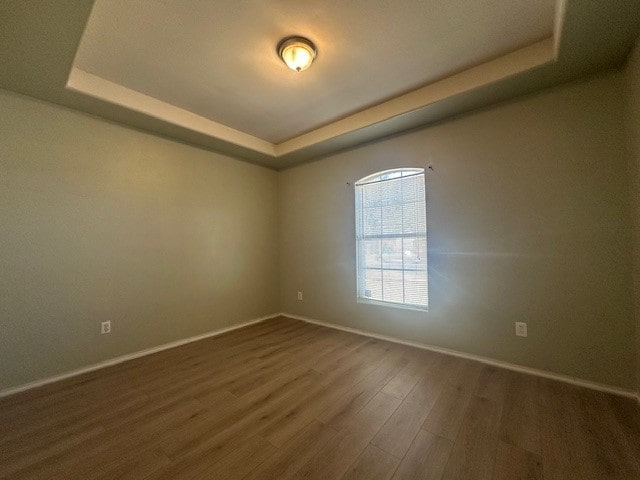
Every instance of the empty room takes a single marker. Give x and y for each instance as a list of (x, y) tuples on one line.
[(358, 240)]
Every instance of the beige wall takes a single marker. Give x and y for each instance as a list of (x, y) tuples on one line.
[(633, 115), (528, 219), (100, 222)]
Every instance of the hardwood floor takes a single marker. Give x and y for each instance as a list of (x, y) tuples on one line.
[(288, 400)]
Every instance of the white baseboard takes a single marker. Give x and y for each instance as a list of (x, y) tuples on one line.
[(446, 351), (489, 361), (114, 361)]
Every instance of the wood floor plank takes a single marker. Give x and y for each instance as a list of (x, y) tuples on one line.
[(337, 351), (560, 448), (460, 372), (372, 464), (245, 418), (398, 433), (474, 451), (240, 462), (15, 465), (293, 455), (200, 425), (513, 463), (233, 465), (307, 407), (340, 412), (406, 379), (143, 465), (626, 417), (492, 383), (69, 460), (334, 460), (426, 458), (445, 418), (284, 399), (521, 418), (603, 439)]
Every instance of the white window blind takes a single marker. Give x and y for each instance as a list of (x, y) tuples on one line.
[(391, 237)]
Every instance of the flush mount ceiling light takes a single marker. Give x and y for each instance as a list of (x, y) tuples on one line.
[(297, 52)]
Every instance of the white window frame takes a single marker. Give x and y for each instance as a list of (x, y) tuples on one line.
[(361, 237)]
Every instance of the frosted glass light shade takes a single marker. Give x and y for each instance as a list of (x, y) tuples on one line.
[(297, 53)]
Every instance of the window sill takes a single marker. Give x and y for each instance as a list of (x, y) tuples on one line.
[(404, 306)]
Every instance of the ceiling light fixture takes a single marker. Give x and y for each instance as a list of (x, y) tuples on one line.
[(297, 52)]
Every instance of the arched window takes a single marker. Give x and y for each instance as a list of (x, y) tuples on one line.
[(391, 237)]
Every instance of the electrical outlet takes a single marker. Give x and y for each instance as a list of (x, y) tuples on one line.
[(300, 296), (105, 327), (521, 329)]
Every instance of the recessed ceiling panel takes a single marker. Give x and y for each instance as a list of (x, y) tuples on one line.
[(217, 58)]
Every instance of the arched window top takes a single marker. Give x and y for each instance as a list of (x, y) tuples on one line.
[(390, 175)]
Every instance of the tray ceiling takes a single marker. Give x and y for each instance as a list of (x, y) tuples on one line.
[(218, 58), (207, 72)]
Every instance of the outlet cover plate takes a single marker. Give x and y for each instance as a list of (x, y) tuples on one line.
[(521, 329)]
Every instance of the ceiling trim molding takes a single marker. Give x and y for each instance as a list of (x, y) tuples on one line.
[(527, 58), (95, 86), (558, 24)]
